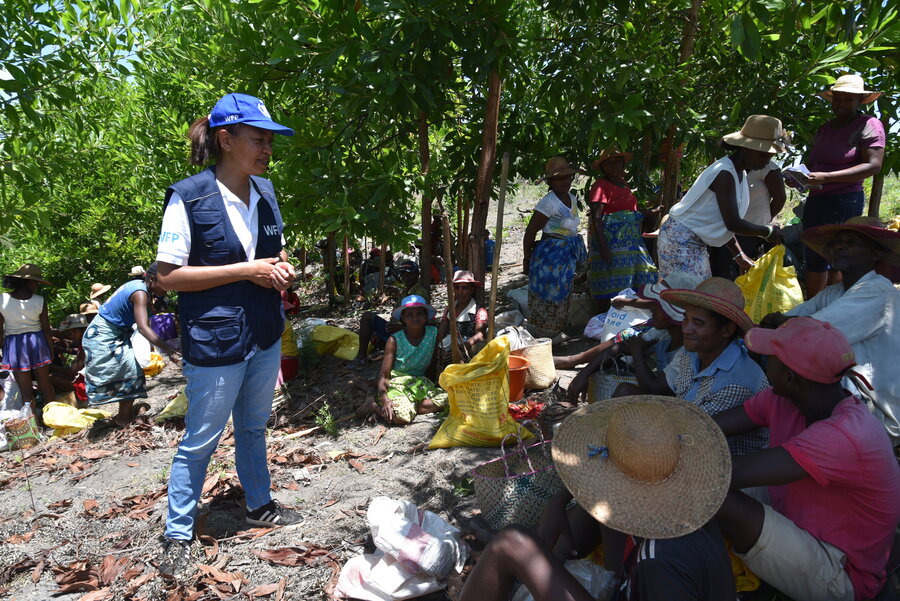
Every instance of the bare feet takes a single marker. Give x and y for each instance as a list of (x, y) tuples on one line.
[(368, 408), (565, 362), (135, 410)]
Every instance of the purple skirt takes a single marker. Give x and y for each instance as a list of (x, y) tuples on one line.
[(24, 352), (163, 324)]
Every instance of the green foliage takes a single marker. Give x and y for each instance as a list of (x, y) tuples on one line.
[(325, 420)]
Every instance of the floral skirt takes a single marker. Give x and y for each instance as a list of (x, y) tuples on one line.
[(630, 265), (111, 371), (550, 278), (407, 393), (680, 249)]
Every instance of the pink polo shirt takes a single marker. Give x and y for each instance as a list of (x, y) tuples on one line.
[(852, 498), (835, 148)]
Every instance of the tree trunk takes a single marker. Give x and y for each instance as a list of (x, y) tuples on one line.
[(483, 183), (346, 271), (425, 161), (464, 237), (381, 269), (330, 266), (302, 259)]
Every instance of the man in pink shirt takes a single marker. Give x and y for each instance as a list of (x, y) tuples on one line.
[(826, 530)]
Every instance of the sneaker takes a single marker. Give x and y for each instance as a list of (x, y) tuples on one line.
[(272, 515), (176, 556)]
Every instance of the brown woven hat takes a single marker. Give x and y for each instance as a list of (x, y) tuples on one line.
[(817, 239), (851, 84), (29, 271), (98, 289), (651, 466), (557, 167), (760, 132), (716, 294), (610, 153)]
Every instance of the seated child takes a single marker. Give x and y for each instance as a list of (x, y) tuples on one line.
[(403, 390), (471, 318), (67, 378)]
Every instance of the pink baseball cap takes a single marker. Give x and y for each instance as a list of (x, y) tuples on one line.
[(814, 349)]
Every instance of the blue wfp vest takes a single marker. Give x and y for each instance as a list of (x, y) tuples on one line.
[(226, 324)]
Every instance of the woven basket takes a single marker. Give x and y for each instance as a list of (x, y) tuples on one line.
[(541, 371), (605, 380), (516, 487)]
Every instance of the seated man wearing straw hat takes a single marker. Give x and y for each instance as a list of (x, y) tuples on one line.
[(654, 467), (864, 306), (825, 531)]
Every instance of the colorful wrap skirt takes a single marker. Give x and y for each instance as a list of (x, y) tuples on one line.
[(631, 265), (111, 371), (550, 277), (407, 393), (26, 351), (680, 249)]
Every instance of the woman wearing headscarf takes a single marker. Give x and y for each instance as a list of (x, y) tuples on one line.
[(551, 261), (221, 248), (845, 151), (618, 257), (713, 209)]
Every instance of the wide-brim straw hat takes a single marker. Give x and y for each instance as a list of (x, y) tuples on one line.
[(851, 84), (465, 277), (760, 132), (87, 308), (98, 290), (136, 270), (719, 295), (557, 167), (817, 239), (651, 466), (73, 321), (610, 153), (29, 271)]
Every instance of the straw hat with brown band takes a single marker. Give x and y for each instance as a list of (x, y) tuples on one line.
[(719, 295), (651, 466), (98, 289), (29, 271), (610, 153), (762, 133), (817, 239), (851, 84), (557, 167), (87, 308)]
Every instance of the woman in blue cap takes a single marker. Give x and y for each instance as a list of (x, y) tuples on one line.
[(221, 248), (404, 389)]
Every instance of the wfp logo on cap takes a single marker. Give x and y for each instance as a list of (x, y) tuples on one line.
[(262, 109)]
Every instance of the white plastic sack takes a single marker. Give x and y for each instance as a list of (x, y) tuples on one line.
[(518, 337), (416, 551), (594, 327), (596, 580), (520, 297), (9, 390), (509, 318), (622, 319), (142, 348)]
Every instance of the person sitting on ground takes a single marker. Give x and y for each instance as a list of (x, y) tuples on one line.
[(471, 318), (112, 373), (664, 340), (629, 466), (68, 378), (405, 385), (713, 369), (833, 482), (97, 292), (376, 329), (864, 306), (25, 335)]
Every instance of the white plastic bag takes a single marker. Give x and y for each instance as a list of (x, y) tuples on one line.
[(520, 297), (622, 319), (9, 390), (594, 327), (518, 337), (142, 348), (416, 549), (509, 318), (596, 580)]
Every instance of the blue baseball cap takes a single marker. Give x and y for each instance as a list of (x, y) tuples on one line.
[(413, 300), (243, 108)]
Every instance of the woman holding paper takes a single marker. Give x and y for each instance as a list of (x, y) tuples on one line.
[(845, 151), (714, 208)]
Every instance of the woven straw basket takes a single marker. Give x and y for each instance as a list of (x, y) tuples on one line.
[(541, 371), (516, 487)]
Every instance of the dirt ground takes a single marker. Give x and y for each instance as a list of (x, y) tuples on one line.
[(82, 516)]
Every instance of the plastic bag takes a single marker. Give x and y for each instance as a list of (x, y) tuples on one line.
[(155, 365), (66, 419), (518, 337), (618, 320), (769, 286), (176, 408), (142, 348), (596, 580), (479, 400), (520, 297), (509, 318), (594, 328), (340, 342)]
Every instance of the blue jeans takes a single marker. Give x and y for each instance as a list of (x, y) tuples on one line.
[(243, 390)]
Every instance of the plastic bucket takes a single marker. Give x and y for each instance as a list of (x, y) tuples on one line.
[(518, 371)]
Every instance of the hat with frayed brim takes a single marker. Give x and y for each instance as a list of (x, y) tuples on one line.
[(557, 167), (851, 84), (651, 466), (719, 295), (98, 290), (610, 153), (760, 132), (29, 271), (137, 270), (73, 321), (817, 239)]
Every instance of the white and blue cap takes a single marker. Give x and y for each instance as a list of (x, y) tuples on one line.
[(243, 108), (413, 300)]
